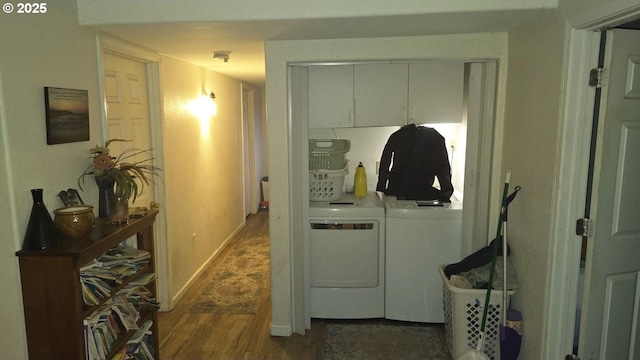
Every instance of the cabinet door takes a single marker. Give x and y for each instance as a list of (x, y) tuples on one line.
[(435, 92), (380, 92), (330, 96)]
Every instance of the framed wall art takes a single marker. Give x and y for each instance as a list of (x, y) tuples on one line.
[(67, 112)]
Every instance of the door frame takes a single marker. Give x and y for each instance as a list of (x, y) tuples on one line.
[(581, 55), (252, 196), (151, 60)]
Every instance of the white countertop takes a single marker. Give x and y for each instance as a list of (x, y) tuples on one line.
[(348, 205), (414, 209)]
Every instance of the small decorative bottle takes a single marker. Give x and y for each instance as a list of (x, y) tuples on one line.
[(41, 233), (360, 181)]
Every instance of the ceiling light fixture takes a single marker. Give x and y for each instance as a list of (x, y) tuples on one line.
[(221, 55)]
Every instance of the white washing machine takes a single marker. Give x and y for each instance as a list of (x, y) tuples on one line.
[(419, 238), (346, 257)]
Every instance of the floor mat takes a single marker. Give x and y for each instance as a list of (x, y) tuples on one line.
[(241, 283), (384, 342)]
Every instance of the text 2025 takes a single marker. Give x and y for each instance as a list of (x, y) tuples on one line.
[(31, 8)]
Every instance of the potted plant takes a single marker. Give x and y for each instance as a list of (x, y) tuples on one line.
[(127, 172)]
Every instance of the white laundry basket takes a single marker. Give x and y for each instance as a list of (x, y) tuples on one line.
[(463, 310), (327, 185), (328, 154)]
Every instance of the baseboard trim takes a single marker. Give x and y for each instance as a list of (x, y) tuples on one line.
[(281, 330), (200, 270)]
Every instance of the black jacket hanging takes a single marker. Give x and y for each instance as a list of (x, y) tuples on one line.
[(418, 155)]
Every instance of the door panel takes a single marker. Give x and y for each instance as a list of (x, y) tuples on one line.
[(111, 87), (626, 210), (611, 305), (126, 94)]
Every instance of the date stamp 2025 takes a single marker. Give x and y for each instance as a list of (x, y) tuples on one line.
[(24, 8)]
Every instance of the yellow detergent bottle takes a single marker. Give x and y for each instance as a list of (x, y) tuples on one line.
[(360, 181)]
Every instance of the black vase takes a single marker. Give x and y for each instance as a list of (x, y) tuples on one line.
[(105, 195), (41, 233)]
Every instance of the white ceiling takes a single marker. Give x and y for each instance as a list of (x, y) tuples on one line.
[(196, 42)]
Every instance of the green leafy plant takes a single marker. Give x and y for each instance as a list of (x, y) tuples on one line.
[(129, 177)]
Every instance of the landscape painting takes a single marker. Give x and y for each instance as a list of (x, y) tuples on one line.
[(67, 112)]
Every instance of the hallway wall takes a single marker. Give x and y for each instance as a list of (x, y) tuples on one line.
[(533, 123), (203, 168), (38, 51), (201, 171)]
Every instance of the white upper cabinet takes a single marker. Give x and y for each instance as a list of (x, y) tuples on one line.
[(435, 92), (380, 94), (331, 96), (385, 94)]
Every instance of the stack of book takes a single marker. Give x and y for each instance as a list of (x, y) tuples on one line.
[(105, 325), (117, 315), (140, 346), (140, 297), (102, 275), (94, 289), (124, 254)]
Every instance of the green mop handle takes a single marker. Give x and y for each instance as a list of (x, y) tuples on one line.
[(495, 251)]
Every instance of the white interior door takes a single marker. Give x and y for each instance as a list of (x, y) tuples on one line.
[(610, 316), (126, 96)]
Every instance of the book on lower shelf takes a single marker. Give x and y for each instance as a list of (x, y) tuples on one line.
[(141, 332), (118, 309), (142, 350), (116, 317)]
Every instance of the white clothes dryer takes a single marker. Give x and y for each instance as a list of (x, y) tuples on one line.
[(419, 238), (346, 257)]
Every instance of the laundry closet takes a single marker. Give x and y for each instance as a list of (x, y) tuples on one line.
[(377, 255)]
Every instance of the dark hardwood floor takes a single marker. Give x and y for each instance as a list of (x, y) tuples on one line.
[(185, 335)]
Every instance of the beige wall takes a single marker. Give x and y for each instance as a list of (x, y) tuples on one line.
[(530, 145), (532, 136), (203, 167), (201, 170), (40, 50)]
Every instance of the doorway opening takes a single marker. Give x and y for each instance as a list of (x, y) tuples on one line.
[(474, 160)]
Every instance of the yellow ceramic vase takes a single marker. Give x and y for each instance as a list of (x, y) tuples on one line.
[(75, 221)]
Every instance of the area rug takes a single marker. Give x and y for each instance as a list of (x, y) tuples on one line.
[(240, 284), (383, 342)]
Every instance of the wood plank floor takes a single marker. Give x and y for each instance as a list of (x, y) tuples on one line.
[(185, 335)]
